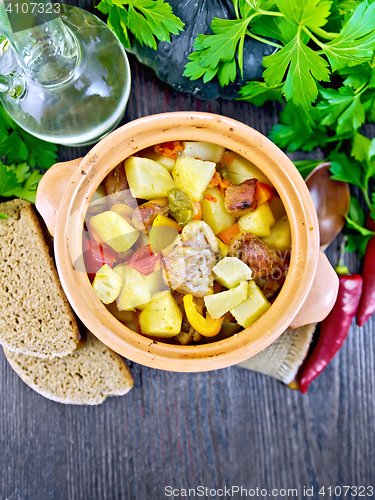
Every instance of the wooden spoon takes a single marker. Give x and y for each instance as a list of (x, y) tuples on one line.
[(331, 200)]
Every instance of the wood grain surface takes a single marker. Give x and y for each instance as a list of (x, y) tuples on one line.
[(225, 428)]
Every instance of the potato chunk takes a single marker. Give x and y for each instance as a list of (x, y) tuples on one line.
[(165, 161), (162, 316), (251, 309), (230, 271), (107, 284), (147, 179), (240, 170), (204, 151), (193, 176), (114, 230), (134, 292), (280, 236), (214, 212), (258, 222), (220, 303)]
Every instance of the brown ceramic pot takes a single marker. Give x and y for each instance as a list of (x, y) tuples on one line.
[(309, 291)]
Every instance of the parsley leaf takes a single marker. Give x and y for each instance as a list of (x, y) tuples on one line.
[(18, 180), (148, 20), (258, 93), (341, 108), (299, 129), (355, 43), (356, 212), (310, 13), (357, 243), (360, 147), (213, 51), (305, 66), (354, 225), (346, 170), (19, 146)]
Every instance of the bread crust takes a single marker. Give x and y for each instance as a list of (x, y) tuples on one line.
[(35, 316)]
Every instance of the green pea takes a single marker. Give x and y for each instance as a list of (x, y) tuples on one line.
[(181, 207)]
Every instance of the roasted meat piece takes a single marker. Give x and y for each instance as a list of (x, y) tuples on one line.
[(257, 255), (145, 214), (240, 199), (116, 187), (188, 267)]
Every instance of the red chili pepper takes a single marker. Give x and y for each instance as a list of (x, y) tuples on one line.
[(367, 304), (96, 255), (335, 328), (144, 260)]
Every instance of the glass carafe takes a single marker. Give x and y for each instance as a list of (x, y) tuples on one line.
[(65, 81)]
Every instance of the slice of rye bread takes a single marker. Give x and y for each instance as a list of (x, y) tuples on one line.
[(86, 377), (35, 316)]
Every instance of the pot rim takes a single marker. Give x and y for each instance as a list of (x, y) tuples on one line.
[(245, 141)]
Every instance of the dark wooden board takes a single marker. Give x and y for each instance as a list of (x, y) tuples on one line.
[(225, 428)]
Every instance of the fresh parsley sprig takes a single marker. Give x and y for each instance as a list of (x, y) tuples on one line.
[(307, 54), (147, 20), (24, 153)]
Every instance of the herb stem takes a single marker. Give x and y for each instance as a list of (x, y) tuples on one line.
[(362, 89), (325, 34), (367, 199), (270, 13), (263, 40), (308, 32)]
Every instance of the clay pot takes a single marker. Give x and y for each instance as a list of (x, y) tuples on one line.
[(310, 289)]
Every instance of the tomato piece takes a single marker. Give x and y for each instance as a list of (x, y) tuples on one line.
[(144, 260), (96, 255), (263, 193)]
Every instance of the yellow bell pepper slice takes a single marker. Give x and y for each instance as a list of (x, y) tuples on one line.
[(162, 220), (207, 326)]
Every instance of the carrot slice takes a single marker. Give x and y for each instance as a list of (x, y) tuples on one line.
[(197, 211), (263, 193), (226, 235)]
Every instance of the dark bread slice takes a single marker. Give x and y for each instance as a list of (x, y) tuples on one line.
[(86, 377), (35, 316)]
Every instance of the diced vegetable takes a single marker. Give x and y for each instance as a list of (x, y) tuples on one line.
[(204, 151), (124, 210), (181, 207), (228, 234), (263, 193), (208, 327), (144, 260), (120, 270), (163, 233), (224, 249), (134, 292), (280, 236), (114, 230), (214, 212), (193, 176), (162, 220), (161, 317), (240, 170), (123, 316), (230, 271), (96, 255), (166, 162), (277, 207), (220, 303), (169, 149), (252, 308), (229, 328), (258, 222), (107, 284), (155, 282), (197, 211), (147, 179)]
